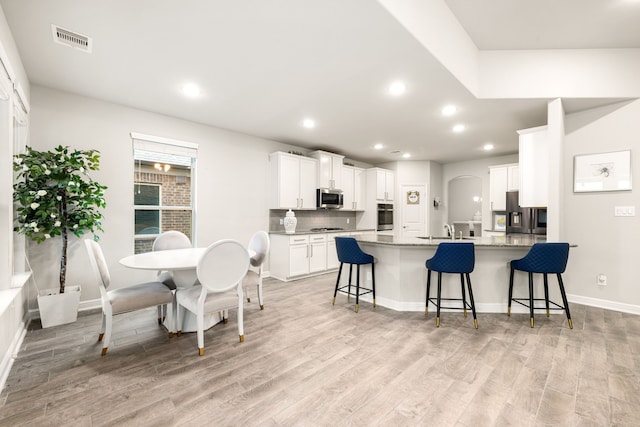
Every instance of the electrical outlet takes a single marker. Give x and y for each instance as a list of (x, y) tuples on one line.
[(601, 280), (624, 211), (281, 221), (348, 219)]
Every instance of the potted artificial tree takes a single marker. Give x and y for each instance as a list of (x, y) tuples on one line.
[(55, 196)]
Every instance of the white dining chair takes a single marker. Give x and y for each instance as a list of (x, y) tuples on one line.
[(220, 272), (125, 299), (168, 240), (259, 248), (172, 239)]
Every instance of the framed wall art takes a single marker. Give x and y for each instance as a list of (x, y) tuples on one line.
[(602, 172)]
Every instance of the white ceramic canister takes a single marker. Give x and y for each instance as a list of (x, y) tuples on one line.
[(290, 222)]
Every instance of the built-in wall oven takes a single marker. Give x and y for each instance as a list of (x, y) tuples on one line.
[(385, 216)]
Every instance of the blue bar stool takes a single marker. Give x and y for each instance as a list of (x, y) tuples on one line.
[(349, 252), (457, 258), (545, 258)]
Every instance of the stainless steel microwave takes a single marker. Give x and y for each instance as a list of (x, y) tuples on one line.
[(329, 198)]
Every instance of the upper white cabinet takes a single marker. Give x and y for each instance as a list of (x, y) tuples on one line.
[(534, 167), (352, 182), (293, 181), (329, 169), (502, 178), (384, 184)]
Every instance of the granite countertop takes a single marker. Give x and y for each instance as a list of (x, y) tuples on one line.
[(519, 241), (299, 232)]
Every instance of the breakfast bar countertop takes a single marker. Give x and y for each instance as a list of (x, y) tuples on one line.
[(518, 241)]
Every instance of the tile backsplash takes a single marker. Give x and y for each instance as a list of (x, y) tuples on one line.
[(314, 219)]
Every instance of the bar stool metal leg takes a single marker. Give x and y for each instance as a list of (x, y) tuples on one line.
[(426, 307), (510, 292), (335, 292), (373, 283), (546, 292), (464, 298), (473, 304), (357, 287), (438, 305), (564, 301), (531, 299)]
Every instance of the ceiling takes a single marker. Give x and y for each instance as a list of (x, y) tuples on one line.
[(265, 65)]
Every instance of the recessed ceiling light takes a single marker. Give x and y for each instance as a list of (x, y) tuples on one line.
[(487, 147), (378, 146), (458, 128), (397, 88), (449, 110), (309, 123), (191, 90), (406, 155)]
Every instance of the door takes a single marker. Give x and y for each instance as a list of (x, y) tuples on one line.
[(413, 210)]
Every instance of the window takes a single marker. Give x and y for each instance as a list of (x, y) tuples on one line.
[(163, 188)]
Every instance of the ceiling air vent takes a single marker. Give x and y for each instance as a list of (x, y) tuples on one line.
[(71, 39)]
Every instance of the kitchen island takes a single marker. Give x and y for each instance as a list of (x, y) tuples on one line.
[(401, 275)]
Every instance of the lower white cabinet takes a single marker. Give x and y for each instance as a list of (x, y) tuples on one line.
[(297, 256)]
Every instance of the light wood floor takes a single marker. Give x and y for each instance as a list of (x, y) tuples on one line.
[(307, 363)]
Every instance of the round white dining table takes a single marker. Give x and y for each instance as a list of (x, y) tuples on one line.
[(181, 263)]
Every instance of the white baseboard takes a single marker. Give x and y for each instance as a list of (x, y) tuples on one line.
[(12, 351), (601, 303)]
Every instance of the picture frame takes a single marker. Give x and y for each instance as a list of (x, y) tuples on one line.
[(500, 222), (602, 172)]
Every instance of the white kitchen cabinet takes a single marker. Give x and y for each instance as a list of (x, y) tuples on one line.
[(317, 253), (329, 169), (534, 167), (298, 255), (293, 181), (352, 183), (382, 181), (502, 178)]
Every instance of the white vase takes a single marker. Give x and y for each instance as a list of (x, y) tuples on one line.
[(290, 222), (58, 309)]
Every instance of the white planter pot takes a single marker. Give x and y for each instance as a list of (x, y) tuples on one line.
[(58, 309)]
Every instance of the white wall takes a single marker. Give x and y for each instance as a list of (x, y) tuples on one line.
[(606, 244), (232, 179), (13, 302)]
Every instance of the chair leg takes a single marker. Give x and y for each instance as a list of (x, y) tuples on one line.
[(107, 333), (260, 300), (426, 304), (200, 332), (564, 300), (510, 292), (546, 292), (531, 299), (240, 319), (473, 304), (438, 305), (103, 327), (160, 315), (373, 283), (464, 297), (179, 319), (349, 288), (357, 287), (335, 292)]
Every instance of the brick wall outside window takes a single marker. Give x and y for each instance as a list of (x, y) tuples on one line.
[(176, 191)]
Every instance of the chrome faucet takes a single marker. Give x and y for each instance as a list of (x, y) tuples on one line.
[(451, 230)]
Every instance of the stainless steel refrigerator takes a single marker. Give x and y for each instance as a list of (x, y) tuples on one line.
[(524, 220)]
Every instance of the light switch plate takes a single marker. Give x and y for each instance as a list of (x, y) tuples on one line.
[(624, 211)]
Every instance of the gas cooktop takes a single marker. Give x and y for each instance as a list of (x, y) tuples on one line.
[(327, 229)]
